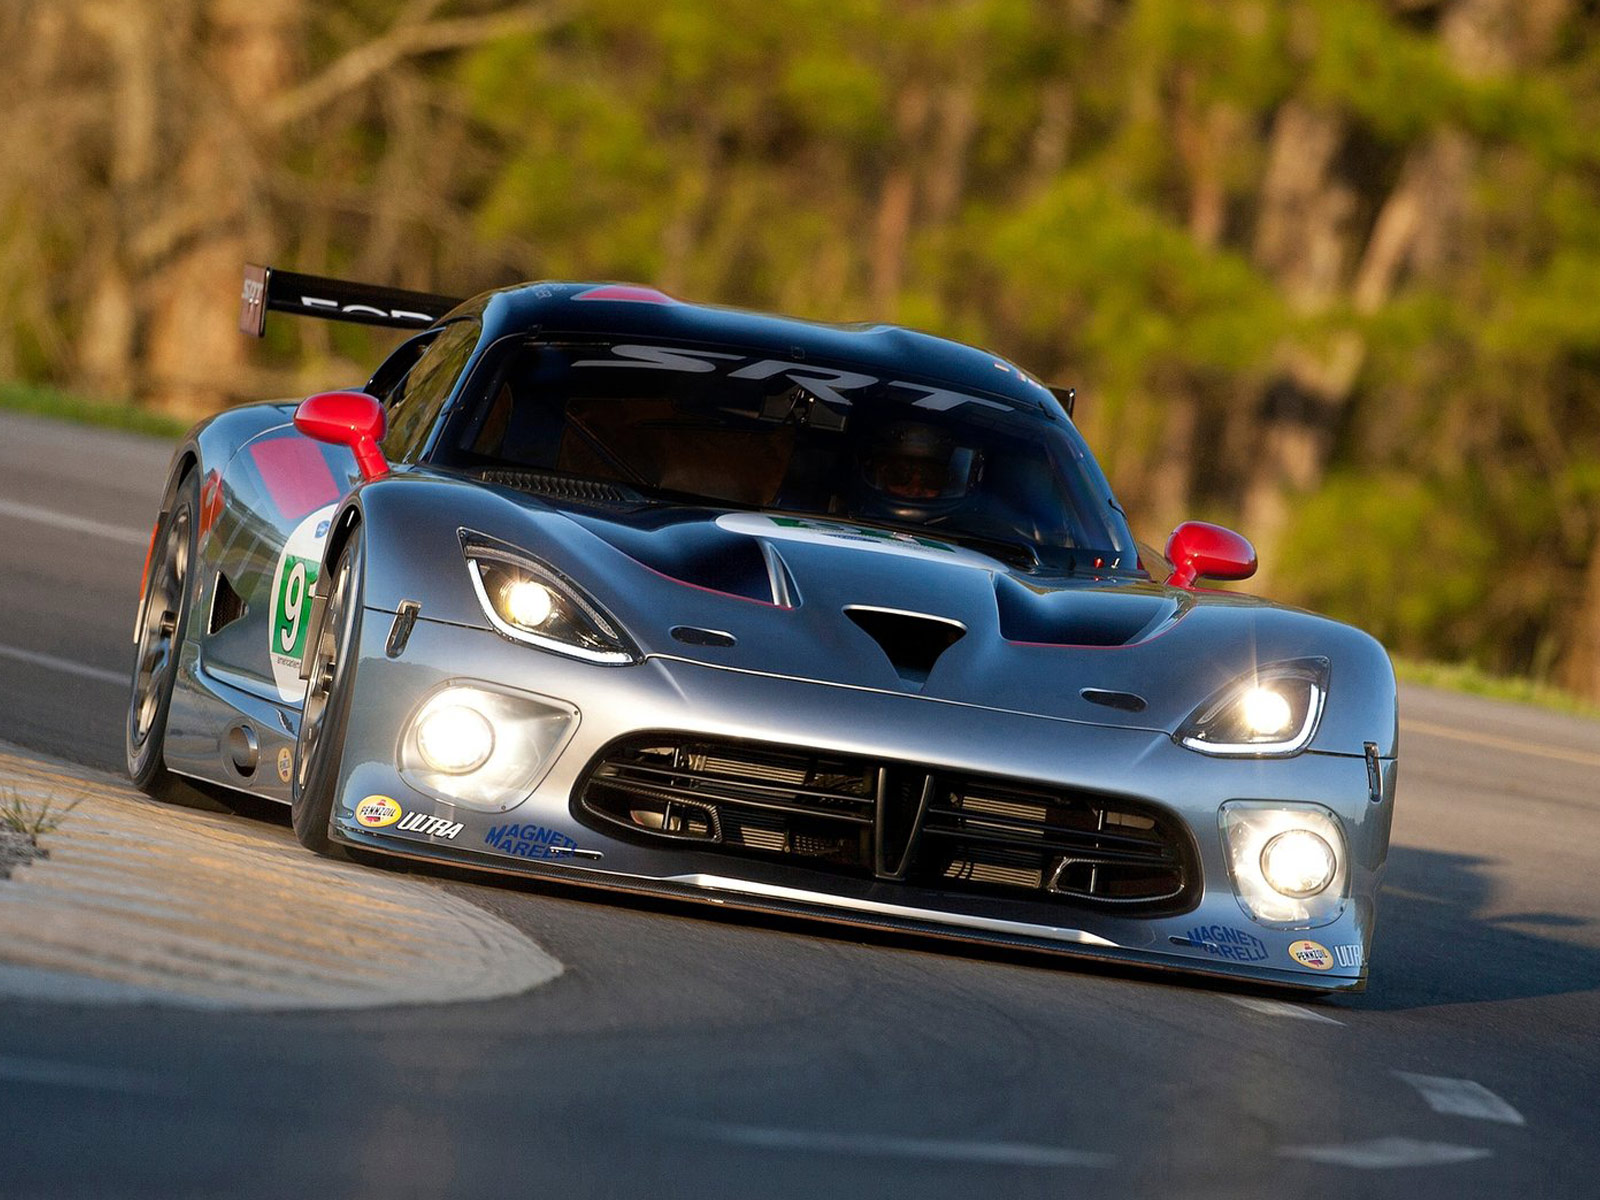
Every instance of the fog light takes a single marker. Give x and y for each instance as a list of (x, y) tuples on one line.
[(455, 739), (1288, 861), (1265, 711), (482, 746), (1298, 863), (528, 603)]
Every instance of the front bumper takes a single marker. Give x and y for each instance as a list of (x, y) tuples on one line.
[(540, 835)]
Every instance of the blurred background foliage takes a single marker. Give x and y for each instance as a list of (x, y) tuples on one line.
[(1327, 270)]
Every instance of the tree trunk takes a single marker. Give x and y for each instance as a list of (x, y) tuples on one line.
[(1579, 669)]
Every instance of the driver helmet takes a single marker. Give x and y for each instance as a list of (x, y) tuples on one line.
[(913, 470)]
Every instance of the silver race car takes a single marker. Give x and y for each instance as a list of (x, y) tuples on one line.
[(593, 585)]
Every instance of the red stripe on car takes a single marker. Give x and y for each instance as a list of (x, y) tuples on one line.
[(628, 293), (297, 477)]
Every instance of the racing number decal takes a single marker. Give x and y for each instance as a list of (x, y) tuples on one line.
[(288, 629), (292, 581)]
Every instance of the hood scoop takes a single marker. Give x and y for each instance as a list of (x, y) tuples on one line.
[(689, 548), (1078, 616), (912, 642)]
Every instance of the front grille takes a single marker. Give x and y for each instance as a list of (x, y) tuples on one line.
[(893, 821)]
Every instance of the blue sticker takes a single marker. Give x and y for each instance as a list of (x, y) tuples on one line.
[(528, 841), (1223, 941), (322, 529)]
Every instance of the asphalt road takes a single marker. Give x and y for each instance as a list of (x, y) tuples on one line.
[(686, 1054)]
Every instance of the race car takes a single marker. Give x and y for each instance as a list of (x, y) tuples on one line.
[(597, 586)]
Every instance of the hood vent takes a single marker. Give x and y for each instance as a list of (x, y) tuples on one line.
[(913, 642), (1080, 616), (561, 487)]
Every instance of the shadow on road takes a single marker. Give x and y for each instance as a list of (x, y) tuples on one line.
[(1434, 947)]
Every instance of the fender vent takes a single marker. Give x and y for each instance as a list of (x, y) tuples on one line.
[(913, 642), (227, 606)]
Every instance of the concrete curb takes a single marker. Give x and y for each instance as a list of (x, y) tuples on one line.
[(139, 902)]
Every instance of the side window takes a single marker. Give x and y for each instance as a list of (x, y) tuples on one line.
[(415, 401), (389, 379)]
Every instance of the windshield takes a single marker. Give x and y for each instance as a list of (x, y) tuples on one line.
[(708, 425)]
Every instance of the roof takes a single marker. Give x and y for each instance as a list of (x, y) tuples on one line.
[(890, 350)]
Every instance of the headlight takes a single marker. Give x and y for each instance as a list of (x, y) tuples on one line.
[(533, 603), (1287, 861), (454, 738), (483, 747), (1298, 863), (1272, 711)]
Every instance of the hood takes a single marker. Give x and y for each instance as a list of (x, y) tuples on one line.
[(842, 603), (829, 602)]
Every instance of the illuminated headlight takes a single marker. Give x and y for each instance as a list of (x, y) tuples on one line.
[(1272, 711), (454, 738), (1287, 861), (1298, 863), (527, 603), (530, 602), (483, 747)]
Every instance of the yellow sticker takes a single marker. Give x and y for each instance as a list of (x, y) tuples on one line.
[(377, 811), (1311, 954), (285, 763)]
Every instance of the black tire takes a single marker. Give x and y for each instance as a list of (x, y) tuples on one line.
[(319, 750), (163, 617)]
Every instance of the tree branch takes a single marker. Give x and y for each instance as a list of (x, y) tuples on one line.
[(402, 41)]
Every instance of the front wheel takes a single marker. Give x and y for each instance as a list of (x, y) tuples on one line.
[(333, 647), (163, 616)]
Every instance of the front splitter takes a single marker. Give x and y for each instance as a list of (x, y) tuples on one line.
[(735, 895)]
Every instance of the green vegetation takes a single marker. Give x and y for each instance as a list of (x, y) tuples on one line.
[(1326, 270), (49, 402), (1458, 678), (33, 819)]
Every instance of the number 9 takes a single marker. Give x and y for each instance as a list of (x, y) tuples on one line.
[(294, 596)]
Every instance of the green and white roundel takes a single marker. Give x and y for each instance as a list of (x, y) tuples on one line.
[(291, 601)]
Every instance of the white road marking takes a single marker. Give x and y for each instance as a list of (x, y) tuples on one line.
[(1462, 1098), (1387, 1152), (1011, 1154), (1500, 743), (59, 1074), (66, 666), (1277, 1008), (45, 516)]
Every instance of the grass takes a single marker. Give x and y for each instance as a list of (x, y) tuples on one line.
[(33, 819), (1459, 677), (41, 401)]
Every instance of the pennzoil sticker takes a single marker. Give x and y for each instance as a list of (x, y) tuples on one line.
[(292, 582), (377, 811), (1311, 954)]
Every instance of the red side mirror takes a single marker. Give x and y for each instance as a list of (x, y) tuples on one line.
[(352, 419), (1197, 549)]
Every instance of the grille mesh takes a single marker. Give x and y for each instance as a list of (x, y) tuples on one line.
[(893, 821)]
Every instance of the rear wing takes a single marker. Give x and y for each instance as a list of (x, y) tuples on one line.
[(269, 289)]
